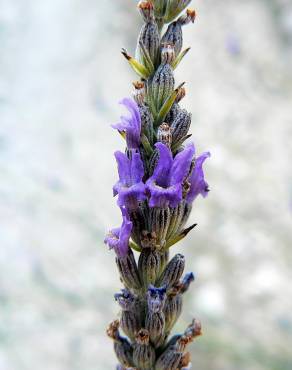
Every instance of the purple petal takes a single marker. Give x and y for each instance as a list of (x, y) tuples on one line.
[(197, 179), (181, 164), (123, 125), (130, 188), (118, 238), (162, 170), (124, 171), (133, 108), (131, 125), (137, 169), (125, 233), (112, 238), (130, 196), (164, 197)]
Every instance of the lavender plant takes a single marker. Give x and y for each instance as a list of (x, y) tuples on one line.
[(160, 176)]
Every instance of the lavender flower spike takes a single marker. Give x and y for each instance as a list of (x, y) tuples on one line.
[(131, 125), (198, 185), (156, 185), (118, 238), (130, 188), (165, 185)]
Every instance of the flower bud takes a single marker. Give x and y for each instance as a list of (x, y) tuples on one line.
[(130, 323), (175, 109), (122, 347), (173, 271), (153, 162), (164, 257), (162, 83), (124, 352), (146, 121), (187, 280), (174, 35), (126, 299), (159, 220), (180, 126), (164, 134), (144, 353), (172, 114), (177, 215), (149, 36), (155, 324), (186, 213), (173, 340), (156, 298), (149, 266), (172, 311), (139, 220), (169, 360), (128, 270), (130, 316), (146, 9)]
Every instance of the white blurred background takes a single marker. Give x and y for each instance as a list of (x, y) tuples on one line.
[(61, 76)]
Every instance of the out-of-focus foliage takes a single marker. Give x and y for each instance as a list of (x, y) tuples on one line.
[(60, 79)]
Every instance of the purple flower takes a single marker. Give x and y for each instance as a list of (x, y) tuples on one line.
[(131, 125), (165, 185), (156, 298), (118, 238), (197, 180), (130, 187)]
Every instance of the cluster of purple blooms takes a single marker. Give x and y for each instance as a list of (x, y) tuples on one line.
[(160, 176), (163, 189)]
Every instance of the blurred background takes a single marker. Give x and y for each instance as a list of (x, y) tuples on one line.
[(61, 76)]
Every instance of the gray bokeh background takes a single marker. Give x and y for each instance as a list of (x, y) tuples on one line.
[(61, 76)]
